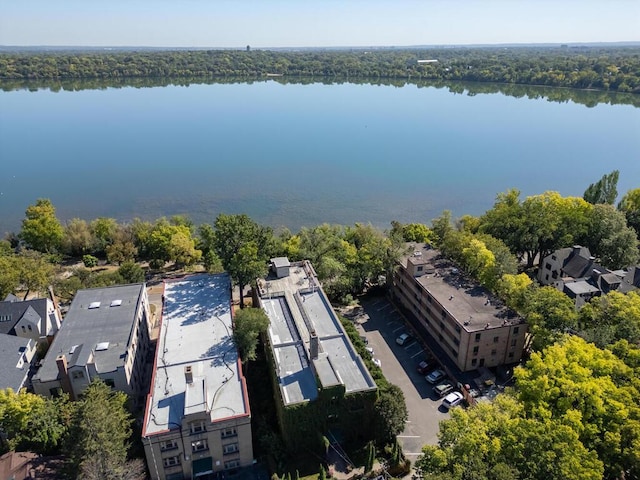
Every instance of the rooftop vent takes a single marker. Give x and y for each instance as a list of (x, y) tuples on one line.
[(417, 253), (102, 346), (116, 303), (93, 305), (73, 349)]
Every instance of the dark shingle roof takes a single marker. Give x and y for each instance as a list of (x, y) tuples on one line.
[(17, 308), (11, 348)]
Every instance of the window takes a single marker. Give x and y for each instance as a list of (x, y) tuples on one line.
[(199, 445), (516, 330), (229, 448), (513, 342), (168, 445), (232, 464), (228, 432), (420, 269), (474, 362), (553, 257), (478, 337), (554, 274), (197, 427), (77, 374), (441, 325), (109, 382), (547, 266), (494, 352), (496, 339), (510, 354), (171, 461), (482, 362), (458, 328), (29, 327), (475, 350)]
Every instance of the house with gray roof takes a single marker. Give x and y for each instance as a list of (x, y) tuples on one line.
[(37, 319), (575, 272), (197, 420), (16, 357), (322, 385), (105, 335)]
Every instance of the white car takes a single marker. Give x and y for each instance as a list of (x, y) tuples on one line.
[(451, 400), (402, 339), (370, 350), (377, 362)]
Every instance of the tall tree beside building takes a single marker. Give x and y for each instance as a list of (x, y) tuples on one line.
[(103, 430), (41, 230), (248, 324), (244, 247)]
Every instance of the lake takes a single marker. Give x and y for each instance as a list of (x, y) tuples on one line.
[(301, 154)]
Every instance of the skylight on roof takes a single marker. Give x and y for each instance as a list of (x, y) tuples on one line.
[(102, 346), (73, 349), (116, 303), (93, 305)]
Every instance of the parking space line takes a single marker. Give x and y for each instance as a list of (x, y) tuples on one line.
[(386, 306), (416, 354), (390, 323), (399, 328)]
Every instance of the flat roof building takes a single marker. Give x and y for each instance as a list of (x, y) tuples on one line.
[(460, 315), (197, 418), (105, 335), (312, 358)]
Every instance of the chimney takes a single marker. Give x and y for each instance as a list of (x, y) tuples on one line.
[(65, 383), (314, 345), (188, 375)]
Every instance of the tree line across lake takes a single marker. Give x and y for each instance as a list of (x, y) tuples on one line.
[(614, 69), (574, 411)]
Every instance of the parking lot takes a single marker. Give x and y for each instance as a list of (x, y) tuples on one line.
[(381, 324)]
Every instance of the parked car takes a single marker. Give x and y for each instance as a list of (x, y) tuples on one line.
[(370, 350), (451, 400), (443, 389), (423, 367), (377, 362), (435, 376), (403, 339)]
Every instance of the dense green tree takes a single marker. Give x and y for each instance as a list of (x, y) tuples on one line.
[(441, 226), (630, 206), (243, 247), (78, 239), (549, 313), (604, 190), (248, 325), (593, 392), (610, 239), (89, 261), (104, 231), (123, 248), (417, 232), (496, 441), (31, 422), (611, 317), (41, 230), (514, 289), (9, 275), (391, 412), (102, 432), (131, 272)]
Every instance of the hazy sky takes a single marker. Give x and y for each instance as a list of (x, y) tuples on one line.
[(289, 23)]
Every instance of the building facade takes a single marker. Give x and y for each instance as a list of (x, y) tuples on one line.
[(456, 313), (106, 335), (197, 419), (323, 387)]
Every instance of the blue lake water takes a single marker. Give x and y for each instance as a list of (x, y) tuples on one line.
[(295, 155)]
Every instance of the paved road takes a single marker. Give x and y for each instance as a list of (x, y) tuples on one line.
[(381, 324)]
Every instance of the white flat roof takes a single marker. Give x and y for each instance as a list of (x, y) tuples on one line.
[(196, 331)]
